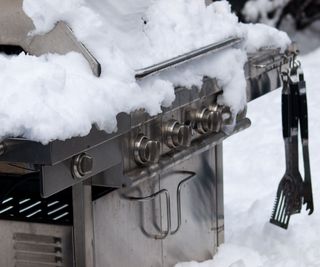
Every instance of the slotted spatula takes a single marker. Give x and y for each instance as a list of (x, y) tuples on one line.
[(290, 190)]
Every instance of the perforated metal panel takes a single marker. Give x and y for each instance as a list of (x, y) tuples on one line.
[(36, 209), (20, 200)]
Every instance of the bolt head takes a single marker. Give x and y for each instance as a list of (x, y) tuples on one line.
[(82, 165)]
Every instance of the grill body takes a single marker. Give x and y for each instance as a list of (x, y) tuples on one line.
[(131, 225), (148, 195)]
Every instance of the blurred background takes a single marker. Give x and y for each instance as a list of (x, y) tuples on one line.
[(299, 18)]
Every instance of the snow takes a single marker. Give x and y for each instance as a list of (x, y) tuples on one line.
[(253, 166), (262, 36), (57, 97)]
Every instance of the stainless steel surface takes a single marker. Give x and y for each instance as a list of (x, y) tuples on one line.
[(167, 162), (21, 150), (82, 165), (124, 227), (108, 150), (166, 202), (177, 135), (60, 175), (83, 225), (219, 196), (263, 71), (35, 245), (146, 151), (173, 62), (197, 236), (16, 29), (208, 121)]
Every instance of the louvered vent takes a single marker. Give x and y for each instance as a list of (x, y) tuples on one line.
[(37, 250)]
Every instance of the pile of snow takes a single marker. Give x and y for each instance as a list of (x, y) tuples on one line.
[(253, 167), (57, 97), (258, 10)]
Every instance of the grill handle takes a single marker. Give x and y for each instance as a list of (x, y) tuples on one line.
[(185, 180), (165, 234)]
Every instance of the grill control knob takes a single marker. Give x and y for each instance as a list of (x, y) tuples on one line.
[(82, 165), (146, 151), (208, 120), (177, 135)]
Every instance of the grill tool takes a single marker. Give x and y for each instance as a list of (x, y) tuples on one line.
[(303, 117), (292, 189)]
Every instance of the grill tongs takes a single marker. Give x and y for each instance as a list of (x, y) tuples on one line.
[(292, 189)]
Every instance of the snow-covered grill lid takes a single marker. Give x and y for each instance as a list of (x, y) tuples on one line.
[(125, 36), (16, 30)]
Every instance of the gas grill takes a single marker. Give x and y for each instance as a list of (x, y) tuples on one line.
[(150, 194)]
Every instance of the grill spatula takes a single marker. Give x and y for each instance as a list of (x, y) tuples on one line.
[(290, 190)]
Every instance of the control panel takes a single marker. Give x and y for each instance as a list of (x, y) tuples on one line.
[(176, 129)]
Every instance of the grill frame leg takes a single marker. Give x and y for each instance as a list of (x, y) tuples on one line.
[(83, 236)]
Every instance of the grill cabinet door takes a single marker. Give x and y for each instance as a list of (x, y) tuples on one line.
[(197, 238)]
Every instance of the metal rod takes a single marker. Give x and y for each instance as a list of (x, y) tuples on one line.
[(191, 175), (219, 194), (173, 62), (168, 231), (165, 233)]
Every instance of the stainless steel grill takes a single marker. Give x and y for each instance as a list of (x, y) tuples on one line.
[(150, 194)]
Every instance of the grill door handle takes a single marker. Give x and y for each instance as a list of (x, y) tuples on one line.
[(190, 176), (164, 234)]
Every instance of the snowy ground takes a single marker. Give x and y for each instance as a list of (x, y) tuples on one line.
[(253, 166)]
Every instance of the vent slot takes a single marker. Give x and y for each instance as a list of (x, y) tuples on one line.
[(20, 200), (37, 209), (37, 250)]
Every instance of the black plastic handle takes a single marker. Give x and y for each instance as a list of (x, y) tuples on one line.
[(286, 120), (295, 106), (303, 110)]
